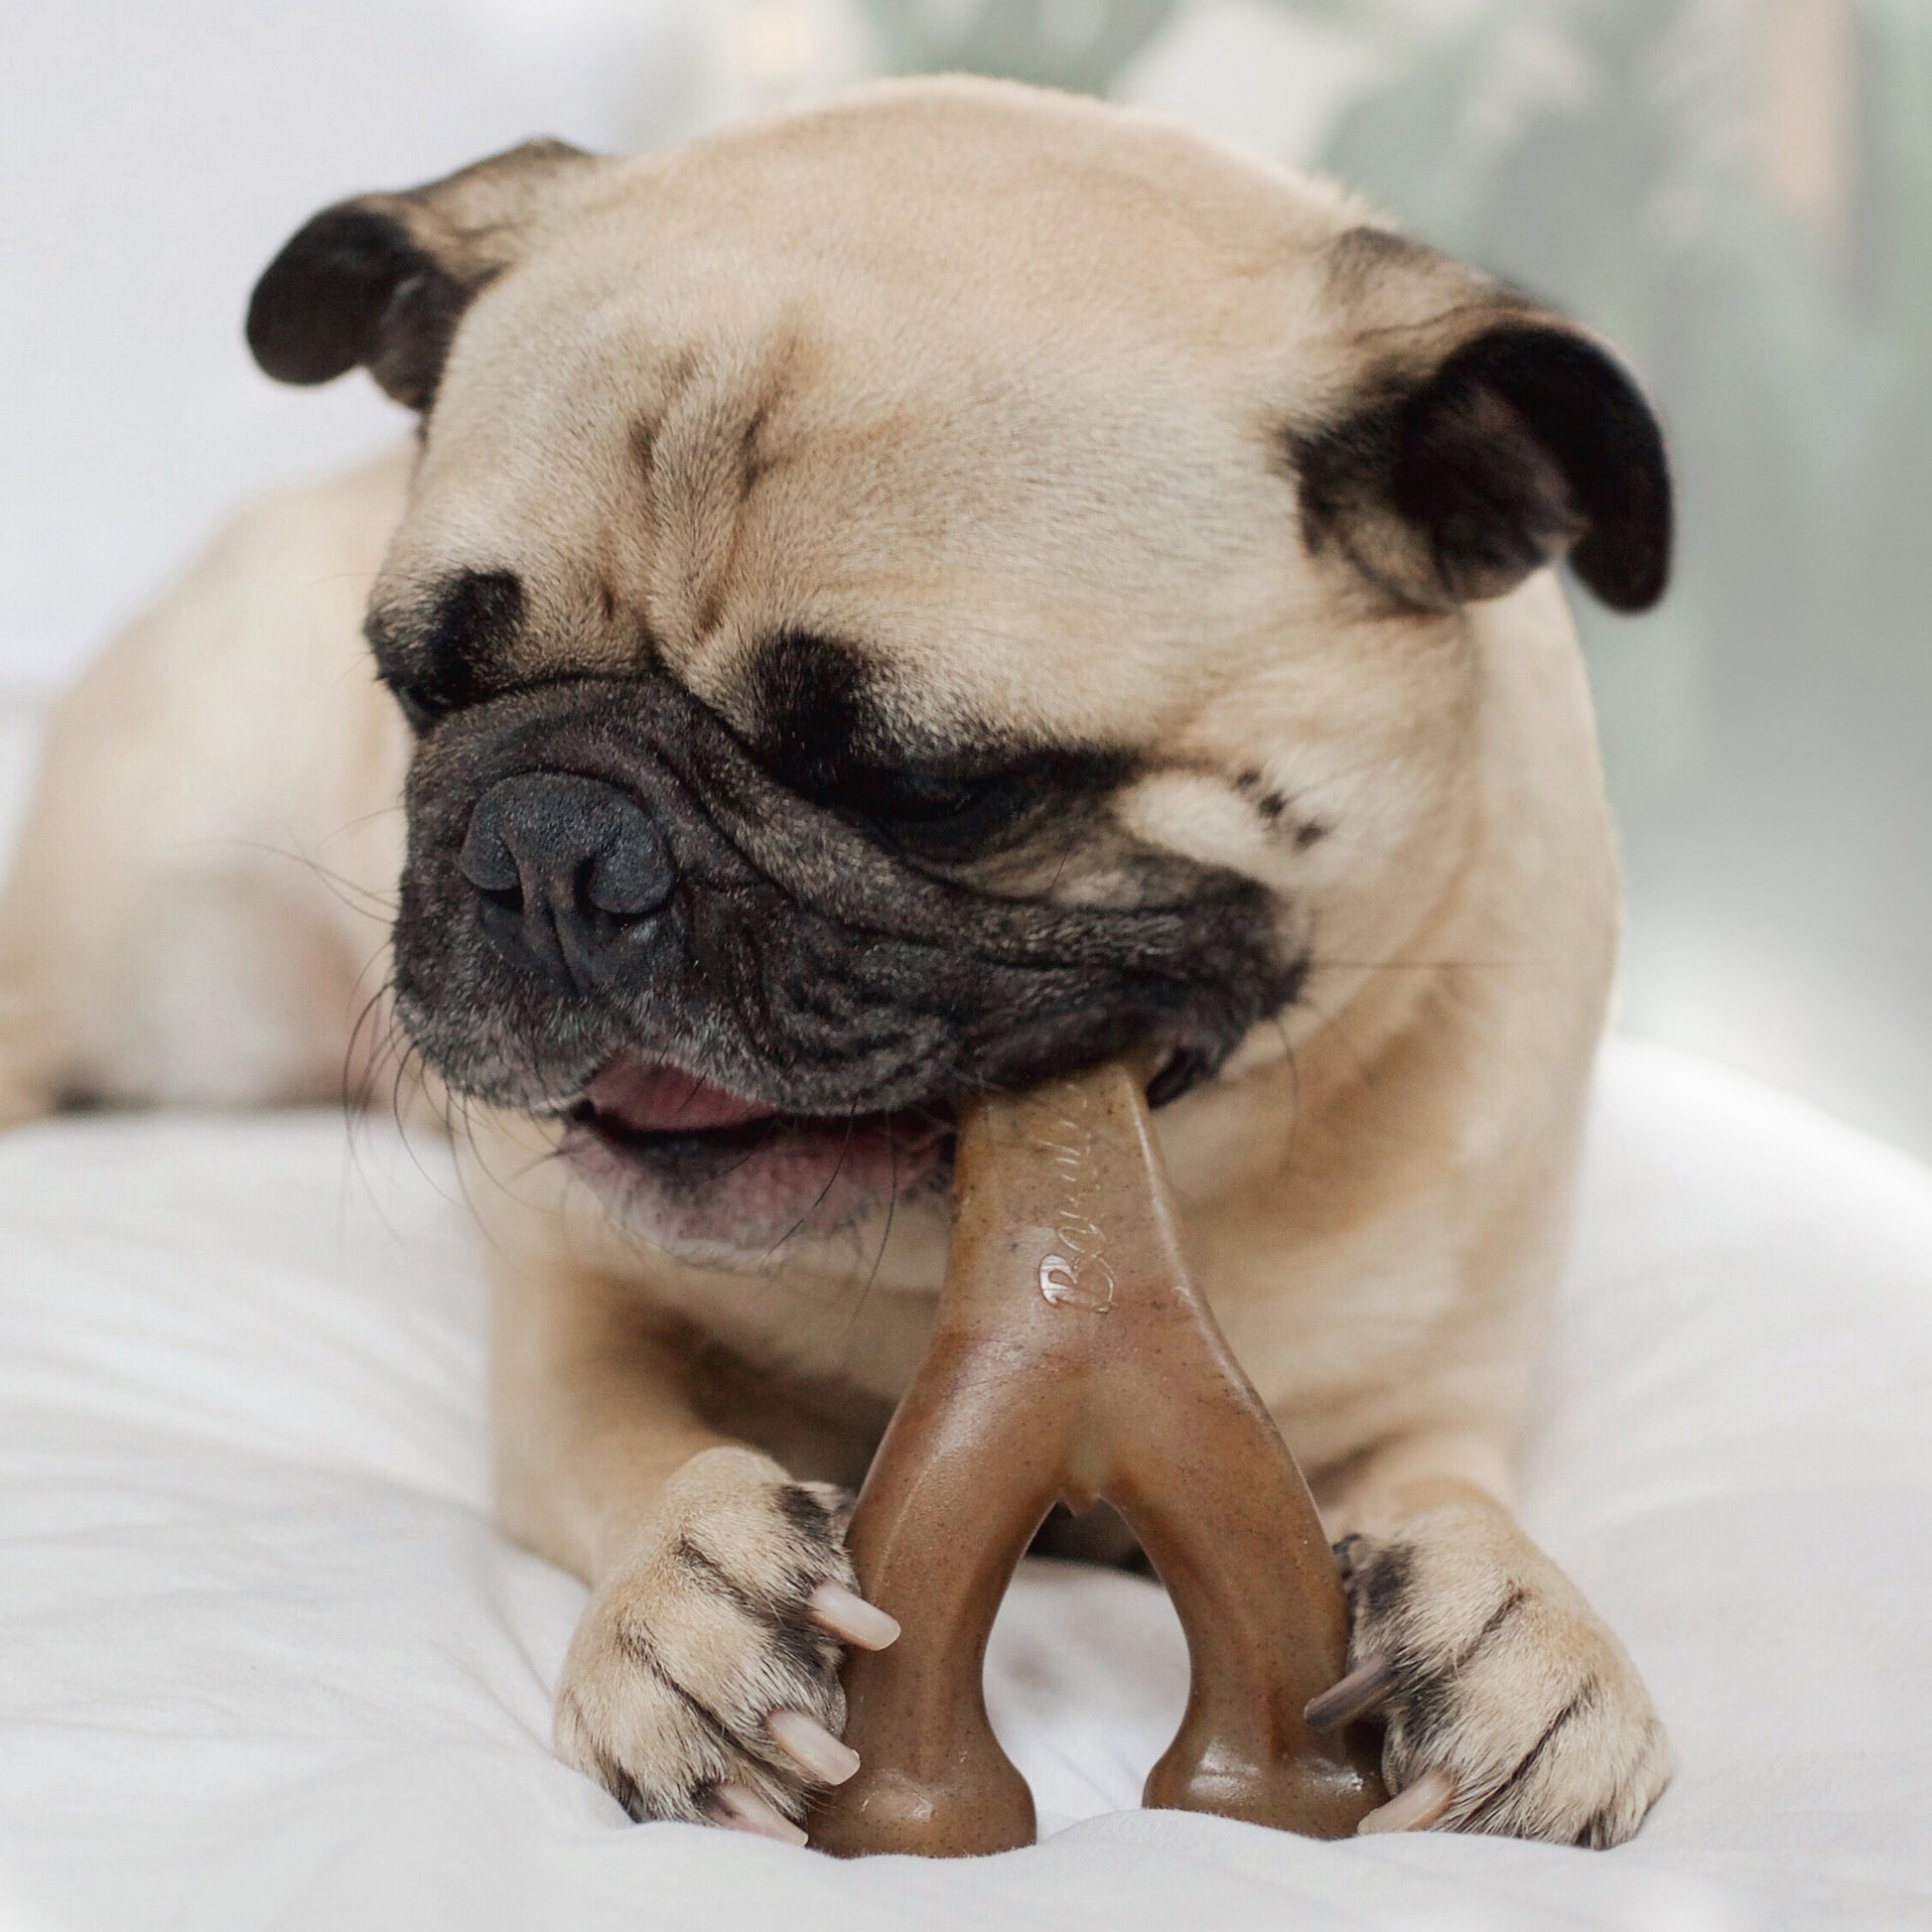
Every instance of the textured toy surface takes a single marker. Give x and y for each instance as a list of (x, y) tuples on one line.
[(1072, 1361)]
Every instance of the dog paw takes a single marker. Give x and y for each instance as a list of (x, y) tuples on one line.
[(702, 1682), (1510, 1706)]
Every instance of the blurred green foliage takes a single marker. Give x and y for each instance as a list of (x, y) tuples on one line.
[(1081, 45), (1766, 730), (1792, 370)]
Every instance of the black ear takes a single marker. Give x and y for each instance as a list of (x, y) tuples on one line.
[(1525, 441), (383, 280)]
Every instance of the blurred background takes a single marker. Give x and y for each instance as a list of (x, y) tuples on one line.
[(1738, 192)]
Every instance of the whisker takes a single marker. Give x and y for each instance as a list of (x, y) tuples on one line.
[(347, 891), (892, 1210), (837, 1165)]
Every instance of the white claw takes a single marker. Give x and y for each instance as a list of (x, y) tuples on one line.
[(738, 1808), (1413, 1807), (847, 1614), (811, 1746)]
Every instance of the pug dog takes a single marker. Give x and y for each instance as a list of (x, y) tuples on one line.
[(914, 595)]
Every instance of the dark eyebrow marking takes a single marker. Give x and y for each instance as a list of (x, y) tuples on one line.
[(813, 710), (477, 616), (445, 651)]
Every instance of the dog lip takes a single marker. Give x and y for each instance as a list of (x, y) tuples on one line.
[(635, 1099), (693, 1167), (689, 1166), (641, 1106), (639, 1096)]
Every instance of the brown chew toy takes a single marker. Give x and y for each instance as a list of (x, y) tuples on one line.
[(1071, 1361)]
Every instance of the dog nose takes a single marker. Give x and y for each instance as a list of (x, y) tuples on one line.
[(564, 869)]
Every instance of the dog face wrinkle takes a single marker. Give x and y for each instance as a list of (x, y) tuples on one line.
[(804, 959), (1018, 655)]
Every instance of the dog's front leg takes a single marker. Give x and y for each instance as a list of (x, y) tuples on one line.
[(1510, 1705), (702, 1682)]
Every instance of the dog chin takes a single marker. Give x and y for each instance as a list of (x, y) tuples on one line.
[(719, 1177)]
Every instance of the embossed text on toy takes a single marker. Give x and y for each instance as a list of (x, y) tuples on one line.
[(1075, 1274)]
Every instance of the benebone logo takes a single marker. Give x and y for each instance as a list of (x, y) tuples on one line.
[(1076, 1274)]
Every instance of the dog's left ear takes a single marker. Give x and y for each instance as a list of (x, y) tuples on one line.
[(383, 280), (1522, 441)]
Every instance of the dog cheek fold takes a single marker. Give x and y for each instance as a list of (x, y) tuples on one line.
[(815, 971)]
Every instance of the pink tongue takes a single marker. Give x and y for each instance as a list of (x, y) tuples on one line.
[(661, 1100)]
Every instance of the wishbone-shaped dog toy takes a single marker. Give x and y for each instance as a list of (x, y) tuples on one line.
[(1073, 1362)]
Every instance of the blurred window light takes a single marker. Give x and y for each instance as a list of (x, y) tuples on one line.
[(1270, 76), (1805, 85), (772, 43)]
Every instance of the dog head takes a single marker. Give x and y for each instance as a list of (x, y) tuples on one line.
[(920, 594)]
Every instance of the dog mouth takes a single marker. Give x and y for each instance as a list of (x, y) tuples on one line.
[(697, 1168), (723, 1179)]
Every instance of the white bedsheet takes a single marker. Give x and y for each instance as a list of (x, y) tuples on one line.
[(263, 1661)]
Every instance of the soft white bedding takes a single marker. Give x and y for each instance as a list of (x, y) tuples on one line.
[(262, 1661)]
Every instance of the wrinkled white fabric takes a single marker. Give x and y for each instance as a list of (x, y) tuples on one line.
[(263, 1660)]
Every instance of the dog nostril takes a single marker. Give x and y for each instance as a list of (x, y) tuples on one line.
[(488, 861), (628, 881)]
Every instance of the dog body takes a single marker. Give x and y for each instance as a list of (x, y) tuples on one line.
[(920, 594)]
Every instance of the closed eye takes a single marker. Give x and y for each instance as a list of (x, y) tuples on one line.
[(454, 640), (944, 813), (935, 811), (422, 705)]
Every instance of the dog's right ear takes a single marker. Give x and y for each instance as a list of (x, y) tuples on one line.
[(383, 280)]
